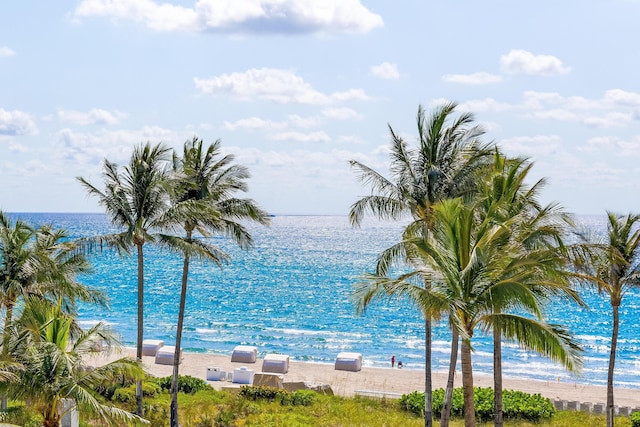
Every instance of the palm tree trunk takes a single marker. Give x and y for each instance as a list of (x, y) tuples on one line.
[(448, 395), (176, 356), (612, 361), (467, 384), (140, 325), (428, 386), (50, 416), (498, 420), (4, 404)]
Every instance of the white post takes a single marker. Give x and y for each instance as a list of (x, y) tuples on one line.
[(70, 417)]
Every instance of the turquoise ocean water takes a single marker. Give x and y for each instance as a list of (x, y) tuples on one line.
[(291, 294)]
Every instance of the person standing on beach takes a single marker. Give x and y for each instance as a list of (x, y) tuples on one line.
[(393, 360)]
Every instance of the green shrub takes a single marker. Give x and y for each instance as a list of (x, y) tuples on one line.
[(516, 404), (530, 407), (303, 397), (635, 419), (108, 388), (264, 393), (414, 402), (186, 384), (273, 394), (21, 415), (128, 394)]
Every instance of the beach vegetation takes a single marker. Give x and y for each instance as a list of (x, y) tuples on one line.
[(50, 353), (442, 166), (203, 187), (214, 408), (294, 398), (517, 405), (135, 198), (535, 243), (38, 262), (186, 384), (611, 263), (491, 259)]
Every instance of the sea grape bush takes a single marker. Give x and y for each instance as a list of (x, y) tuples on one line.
[(296, 398), (186, 384), (533, 407), (516, 404), (128, 394), (635, 419)]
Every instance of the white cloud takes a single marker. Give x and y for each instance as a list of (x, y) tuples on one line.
[(621, 97), (256, 123), (519, 61), (386, 71), (609, 120), (253, 124), (5, 51), (341, 114), (555, 114), (16, 122), (91, 148), (161, 17), (318, 136), (17, 148), (33, 167), (539, 100), (613, 145), (270, 84), (483, 105), (472, 79), (532, 146), (93, 117), (240, 16)]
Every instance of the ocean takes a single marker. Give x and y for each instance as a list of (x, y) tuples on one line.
[(291, 294)]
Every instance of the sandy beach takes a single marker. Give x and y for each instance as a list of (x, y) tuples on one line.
[(378, 380)]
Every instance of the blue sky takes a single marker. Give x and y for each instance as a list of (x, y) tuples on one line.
[(296, 88)]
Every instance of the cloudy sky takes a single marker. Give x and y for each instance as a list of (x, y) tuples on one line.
[(296, 88)]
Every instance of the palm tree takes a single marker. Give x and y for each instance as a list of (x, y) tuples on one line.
[(206, 182), (483, 269), (19, 266), (39, 262), (52, 366), (442, 166), (473, 270), (613, 265), (506, 196), (137, 200)]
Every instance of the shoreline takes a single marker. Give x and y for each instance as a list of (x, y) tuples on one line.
[(376, 380)]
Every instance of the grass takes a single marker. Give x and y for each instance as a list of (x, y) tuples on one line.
[(212, 408)]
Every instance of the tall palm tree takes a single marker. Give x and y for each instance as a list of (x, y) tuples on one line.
[(53, 367), (136, 198), (613, 266), (473, 271), (506, 196), (441, 166), (205, 184), (483, 271)]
